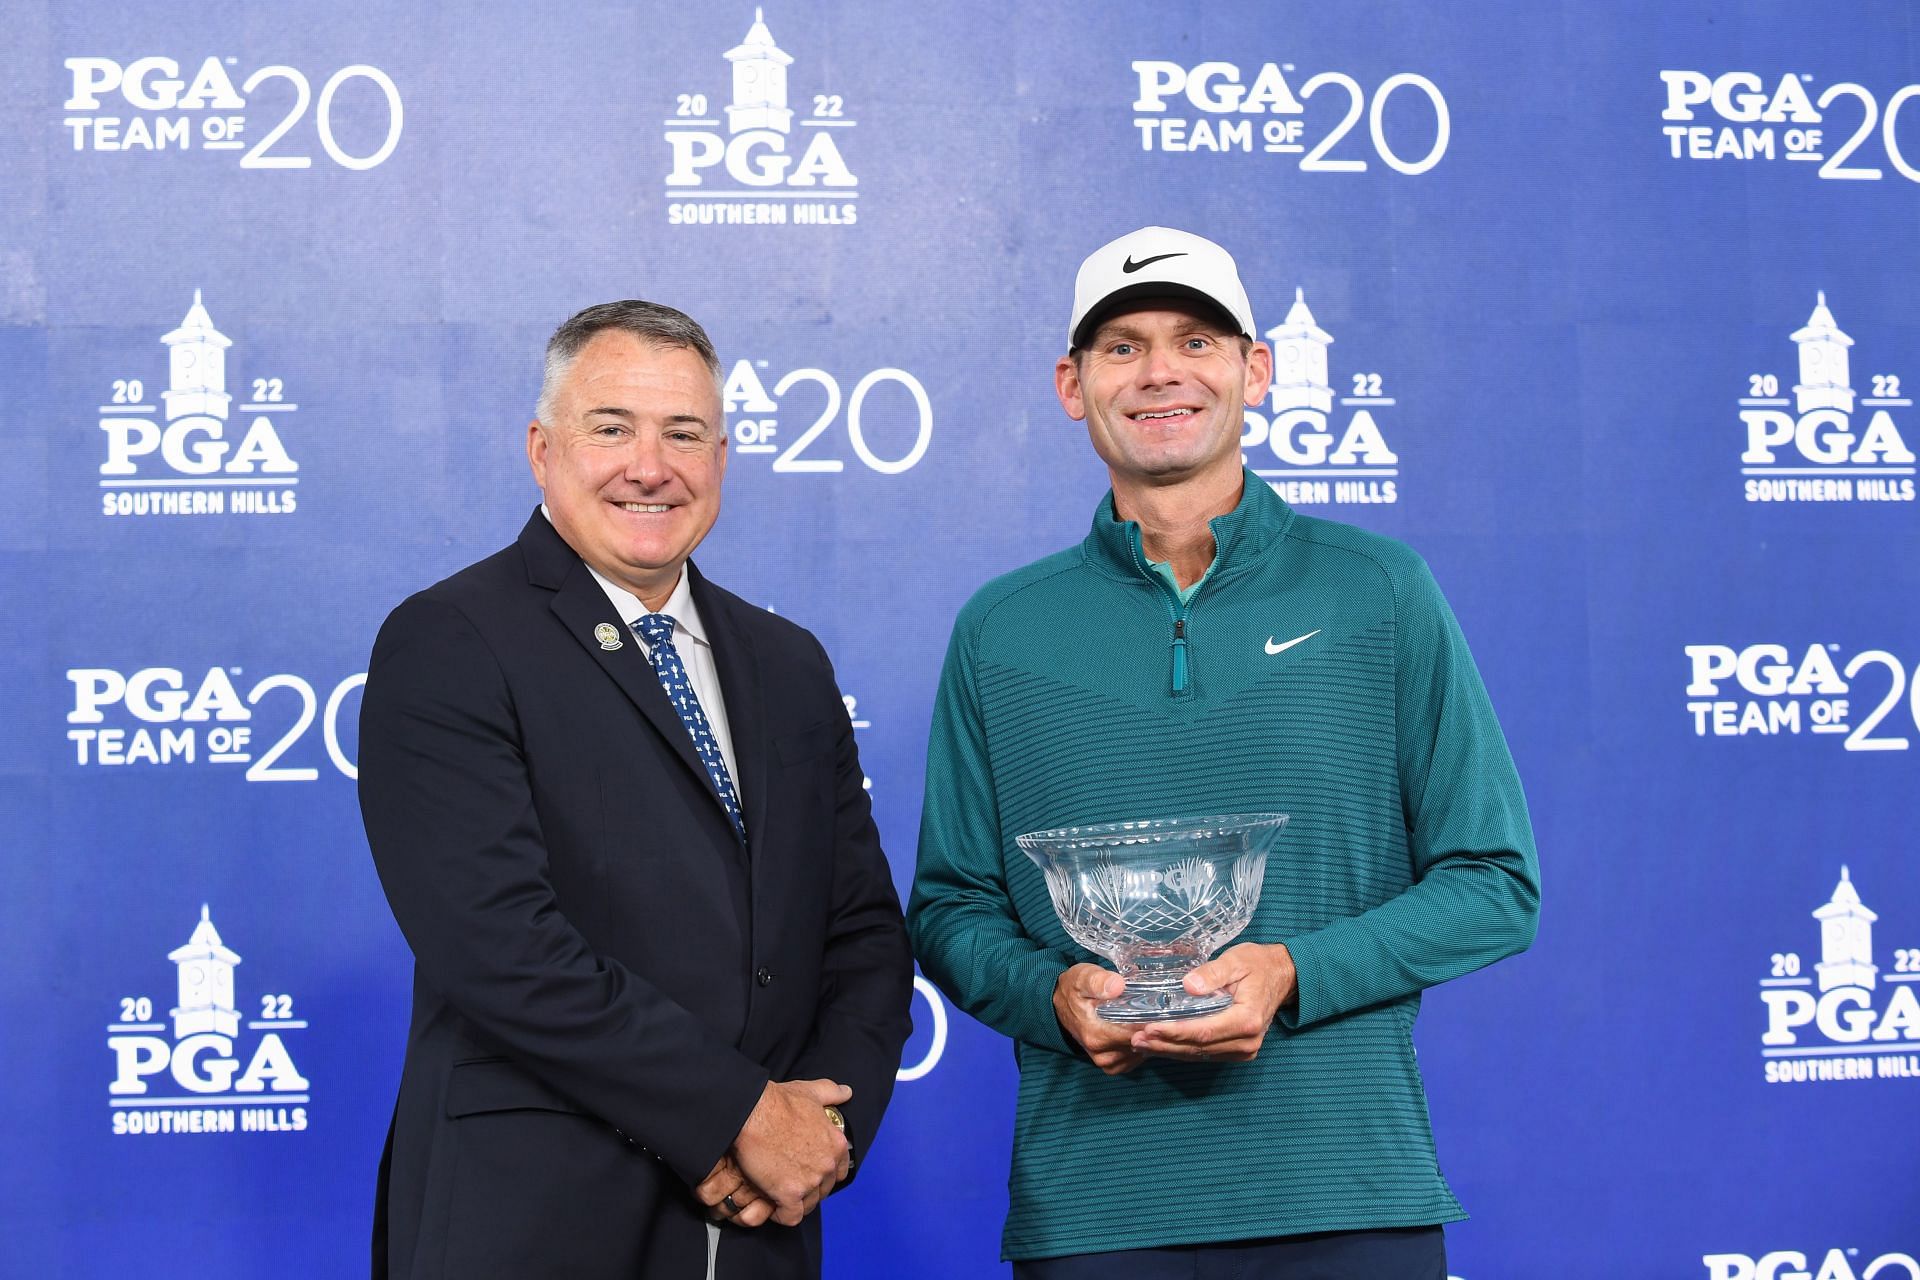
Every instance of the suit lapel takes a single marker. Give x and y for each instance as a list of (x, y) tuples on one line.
[(583, 608), (739, 670)]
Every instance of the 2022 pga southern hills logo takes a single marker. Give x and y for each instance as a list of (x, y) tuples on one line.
[(176, 458), (747, 174), (1843, 1017), (1828, 443), (212, 1075), (1319, 455)]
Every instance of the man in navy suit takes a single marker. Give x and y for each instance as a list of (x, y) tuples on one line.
[(661, 979)]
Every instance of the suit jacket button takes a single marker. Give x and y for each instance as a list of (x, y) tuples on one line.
[(764, 977)]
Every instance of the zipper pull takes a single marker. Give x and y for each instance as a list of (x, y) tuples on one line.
[(1180, 655)]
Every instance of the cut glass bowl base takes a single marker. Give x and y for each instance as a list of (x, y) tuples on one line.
[(1141, 1003)]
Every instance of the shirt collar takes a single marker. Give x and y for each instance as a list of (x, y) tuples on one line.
[(1240, 536)]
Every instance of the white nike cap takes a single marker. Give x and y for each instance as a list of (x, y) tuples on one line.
[(1156, 262)]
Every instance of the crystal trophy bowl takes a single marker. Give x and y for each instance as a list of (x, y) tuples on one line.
[(1157, 898)]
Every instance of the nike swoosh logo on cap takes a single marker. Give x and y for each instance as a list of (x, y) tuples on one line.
[(1282, 648), (1130, 266)]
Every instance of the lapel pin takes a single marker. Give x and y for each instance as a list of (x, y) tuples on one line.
[(608, 635)]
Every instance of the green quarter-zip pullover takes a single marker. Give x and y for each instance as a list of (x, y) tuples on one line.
[(1316, 671)]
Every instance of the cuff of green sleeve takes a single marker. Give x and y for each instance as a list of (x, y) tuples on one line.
[(1309, 1004), (1043, 1027)]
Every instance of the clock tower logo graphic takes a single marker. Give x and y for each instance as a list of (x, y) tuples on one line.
[(1827, 441), (1847, 1019), (217, 1072), (188, 455), (206, 984), (758, 170)]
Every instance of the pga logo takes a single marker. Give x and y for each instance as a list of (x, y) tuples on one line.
[(757, 158), (151, 84), (1215, 87), (1765, 670), (203, 1064), (1844, 1015), (195, 445), (1788, 1264), (1301, 437), (1738, 96), (155, 695), (1823, 436)]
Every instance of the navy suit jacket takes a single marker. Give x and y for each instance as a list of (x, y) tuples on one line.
[(604, 978)]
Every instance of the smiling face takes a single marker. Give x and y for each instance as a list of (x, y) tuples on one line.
[(1162, 391), (632, 459)]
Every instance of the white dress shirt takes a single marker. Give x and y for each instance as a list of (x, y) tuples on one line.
[(690, 642)]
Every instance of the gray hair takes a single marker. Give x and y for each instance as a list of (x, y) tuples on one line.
[(651, 322)]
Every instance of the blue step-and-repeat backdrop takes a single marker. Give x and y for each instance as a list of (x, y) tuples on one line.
[(1615, 307)]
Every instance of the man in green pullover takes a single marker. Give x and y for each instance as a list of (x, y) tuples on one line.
[(1208, 650)]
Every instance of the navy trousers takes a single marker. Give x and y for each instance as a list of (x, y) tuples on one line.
[(1419, 1253)]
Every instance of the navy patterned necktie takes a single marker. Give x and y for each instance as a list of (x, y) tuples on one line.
[(657, 630)]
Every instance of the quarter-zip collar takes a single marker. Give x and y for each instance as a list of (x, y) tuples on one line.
[(1240, 537), (1256, 522)]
